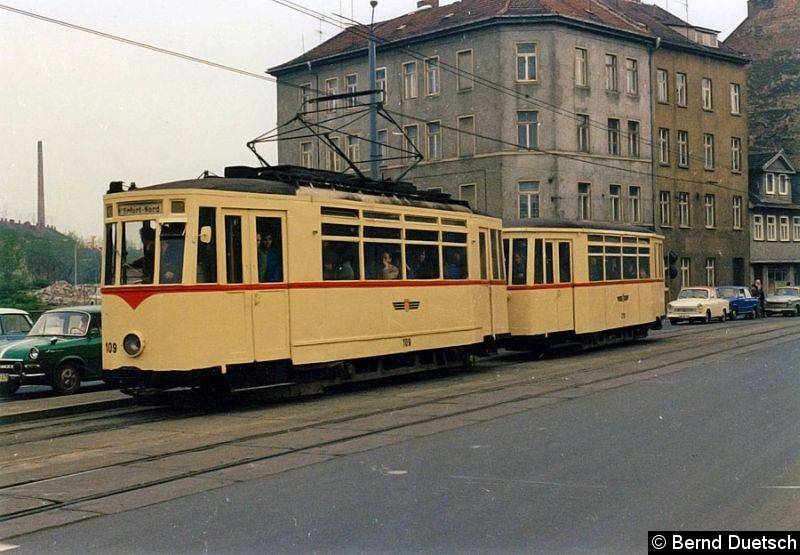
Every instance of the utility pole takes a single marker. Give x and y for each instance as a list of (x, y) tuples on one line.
[(374, 147)]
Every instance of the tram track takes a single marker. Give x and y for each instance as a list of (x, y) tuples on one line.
[(480, 394)]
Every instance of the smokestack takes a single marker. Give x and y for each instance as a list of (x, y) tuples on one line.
[(40, 216)]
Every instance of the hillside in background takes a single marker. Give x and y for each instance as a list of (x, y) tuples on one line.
[(32, 258)]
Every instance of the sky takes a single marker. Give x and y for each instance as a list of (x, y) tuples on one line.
[(110, 111)]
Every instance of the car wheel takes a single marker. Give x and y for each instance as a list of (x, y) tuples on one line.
[(732, 315), (797, 310), (67, 379), (708, 316), (9, 388), (724, 316), (751, 315)]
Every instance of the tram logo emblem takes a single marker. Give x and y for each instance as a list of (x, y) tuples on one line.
[(406, 305)]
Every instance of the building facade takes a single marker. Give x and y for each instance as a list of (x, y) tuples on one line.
[(775, 217), (540, 109)]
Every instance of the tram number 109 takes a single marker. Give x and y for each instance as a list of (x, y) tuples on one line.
[(406, 342), (111, 347)]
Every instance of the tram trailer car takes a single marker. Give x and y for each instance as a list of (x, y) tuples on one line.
[(582, 284), (284, 274)]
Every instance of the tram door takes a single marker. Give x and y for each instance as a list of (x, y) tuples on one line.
[(486, 290), (566, 293), (553, 269), (270, 294)]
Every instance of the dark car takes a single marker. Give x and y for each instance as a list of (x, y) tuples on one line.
[(742, 303), (62, 349), (14, 324)]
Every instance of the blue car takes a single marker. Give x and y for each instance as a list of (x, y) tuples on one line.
[(14, 324), (741, 302)]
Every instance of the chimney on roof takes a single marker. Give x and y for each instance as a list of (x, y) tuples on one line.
[(40, 197), (427, 3)]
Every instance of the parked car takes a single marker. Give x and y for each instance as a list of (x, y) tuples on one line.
[(697, 304), (14, 324), (785, 300), (740, 301), (62, 349)]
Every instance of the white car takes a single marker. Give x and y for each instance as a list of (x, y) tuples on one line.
[(698, 304), (786, 301)]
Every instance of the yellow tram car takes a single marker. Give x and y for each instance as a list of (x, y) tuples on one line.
[(278, 274), (581, 283)]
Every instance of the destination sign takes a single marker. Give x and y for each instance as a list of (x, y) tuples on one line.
[(139, 208)]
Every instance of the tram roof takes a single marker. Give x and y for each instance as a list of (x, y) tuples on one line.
[(572, 224)]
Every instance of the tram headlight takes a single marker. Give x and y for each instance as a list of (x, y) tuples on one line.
[(33, 354), (132, 344)]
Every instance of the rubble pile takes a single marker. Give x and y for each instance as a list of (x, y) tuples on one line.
[(63, 293)]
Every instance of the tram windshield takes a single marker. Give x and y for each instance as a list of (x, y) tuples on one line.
[(139, 251)]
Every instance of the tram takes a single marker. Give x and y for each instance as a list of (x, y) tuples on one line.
[(287, 274), (582, 284)]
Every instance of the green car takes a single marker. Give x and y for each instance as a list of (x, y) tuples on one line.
[(62, 349)]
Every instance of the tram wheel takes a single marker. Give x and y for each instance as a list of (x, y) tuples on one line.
[(67, 379)]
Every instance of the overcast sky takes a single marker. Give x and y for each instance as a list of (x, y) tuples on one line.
[(111, 111)]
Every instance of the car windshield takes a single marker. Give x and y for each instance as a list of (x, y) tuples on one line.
[(693, 294), (788, 292), (74, 324)]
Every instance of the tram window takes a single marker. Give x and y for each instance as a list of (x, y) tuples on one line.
[(630, 265), (497, 262), (170, 263), (138, 252), (382, 232), (381, 215), (340, 230), (422, 235), (341, 212), (269, 250), (564, 262), (110, 275), (233, 249), (459, 223), (538, 262), (613, 270), (339, 260), (455, 262), (422, 262), (644, 263), (382, 261), (207, 252), (483, 255), (549, 262), (506, 247), (421, 219), (519, 268), (453, 237)]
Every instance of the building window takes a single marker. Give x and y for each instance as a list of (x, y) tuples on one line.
[(469, 192), (796, 228), (411, 141), (770, 181), (711, 272), (711, 211), (663, 146), (410, 80), (736, 105), (708, 97), (708, 151), (334, 161), (758, 228), (306, 93), (784, 228), (611, 72), (662, 84), (434, 132), (528, 129), (526, 61), (680, 89), (631, 76), (583, 133), (581, 69), (736, 154), (383, 144), (683, 149), (432, 76), (529, 199), (665, 208), (306, 158), (633, 139), (783, 184), (331, 88), (354, 148), (772, 228), (737, 212), (380, 82), (615, 203), (683, 210), (686, 274), (351, 84), (464, 65), (635, 204), (584, 201), (613, 137), (466, 136)]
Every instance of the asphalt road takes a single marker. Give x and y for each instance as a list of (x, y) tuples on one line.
[(709, 447)]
